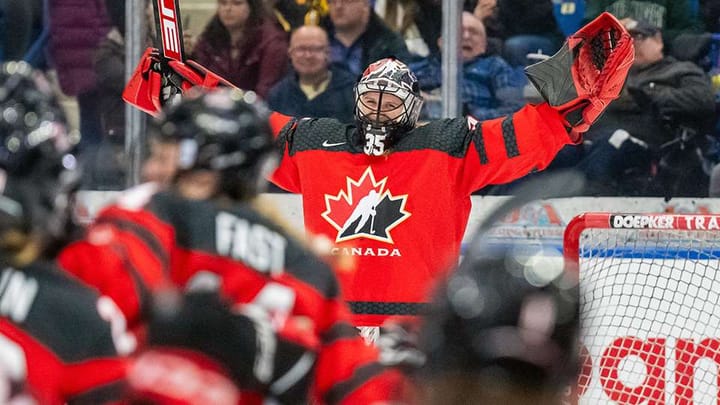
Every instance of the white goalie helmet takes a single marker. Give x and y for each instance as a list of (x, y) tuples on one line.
[(387, 76)]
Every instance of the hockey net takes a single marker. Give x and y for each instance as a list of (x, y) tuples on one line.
[(649, 307)]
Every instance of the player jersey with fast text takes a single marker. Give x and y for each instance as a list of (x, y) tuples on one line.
[(56, 336), (198, 244), (402, 216)]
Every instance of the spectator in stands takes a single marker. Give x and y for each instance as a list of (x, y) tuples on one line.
[(662, 96), (486, 11), (400, 15), (20, 24), (76, 30), (672, 16), (315, 11), (358, 36), (490, 88), (428, 23), (525, 26), (710, 11), (484, 8), (109, 66), (243, 45), (313, 88), (107, 165), (288, 14)]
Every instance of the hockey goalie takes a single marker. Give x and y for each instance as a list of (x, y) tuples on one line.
[(403, 237)]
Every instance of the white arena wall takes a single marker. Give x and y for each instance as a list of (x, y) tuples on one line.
[(544, 220)]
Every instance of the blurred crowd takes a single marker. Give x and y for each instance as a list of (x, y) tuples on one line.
[(304, 58)]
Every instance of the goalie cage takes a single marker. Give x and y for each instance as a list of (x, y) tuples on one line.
[(649, 307)]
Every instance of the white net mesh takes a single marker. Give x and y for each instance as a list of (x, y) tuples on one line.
[(650, 313)]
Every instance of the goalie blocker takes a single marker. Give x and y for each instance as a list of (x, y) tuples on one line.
[(156, 80)]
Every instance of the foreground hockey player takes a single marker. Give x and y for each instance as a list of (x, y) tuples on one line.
[(59, 340), (396, 196), (204, 233), (502, 330)]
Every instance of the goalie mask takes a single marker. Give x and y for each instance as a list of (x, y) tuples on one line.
[(387, 104), (509, 316), (37, 174), (225, 131)]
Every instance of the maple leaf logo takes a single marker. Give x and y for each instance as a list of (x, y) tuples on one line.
[(365, 209)]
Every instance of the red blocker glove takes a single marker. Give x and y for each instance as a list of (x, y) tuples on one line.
[(155, 81), (587, 73), (143, 89)]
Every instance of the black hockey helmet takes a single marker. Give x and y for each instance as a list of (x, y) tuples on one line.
[(508, 315), (387, 76), (37, 172), (223, 130)]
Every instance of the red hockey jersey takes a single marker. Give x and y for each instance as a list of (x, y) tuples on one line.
[(403, 215), (148, 238), (59, 338)]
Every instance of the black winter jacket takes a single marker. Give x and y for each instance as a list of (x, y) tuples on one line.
[(657, 99), (337, 101)]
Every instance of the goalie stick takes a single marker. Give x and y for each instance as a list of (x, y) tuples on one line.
[(165, 72), (169, 28)]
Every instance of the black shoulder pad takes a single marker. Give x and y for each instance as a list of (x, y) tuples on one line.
[(451, 136), (323, 134)]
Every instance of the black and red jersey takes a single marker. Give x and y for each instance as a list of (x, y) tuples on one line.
[(149, 239), (402, 216), (59, 337)]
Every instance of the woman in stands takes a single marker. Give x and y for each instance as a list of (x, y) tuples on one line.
[(243, 45)]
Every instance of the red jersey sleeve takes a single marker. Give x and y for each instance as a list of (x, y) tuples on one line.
[(504, 149), (125, 256), (277, 122), (102, 268), (287, 175)]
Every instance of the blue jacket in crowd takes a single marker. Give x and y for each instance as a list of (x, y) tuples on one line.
[(490, 87), (337, 101)]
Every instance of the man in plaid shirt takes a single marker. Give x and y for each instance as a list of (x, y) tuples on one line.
[(491, 88)]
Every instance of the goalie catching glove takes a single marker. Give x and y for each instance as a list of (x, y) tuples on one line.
[(586, 74), (156, 81)]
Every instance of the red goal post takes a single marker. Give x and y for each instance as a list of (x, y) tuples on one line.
[(649, 307)]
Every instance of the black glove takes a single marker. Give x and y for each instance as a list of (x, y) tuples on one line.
[(243, 341), (398, 345)]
